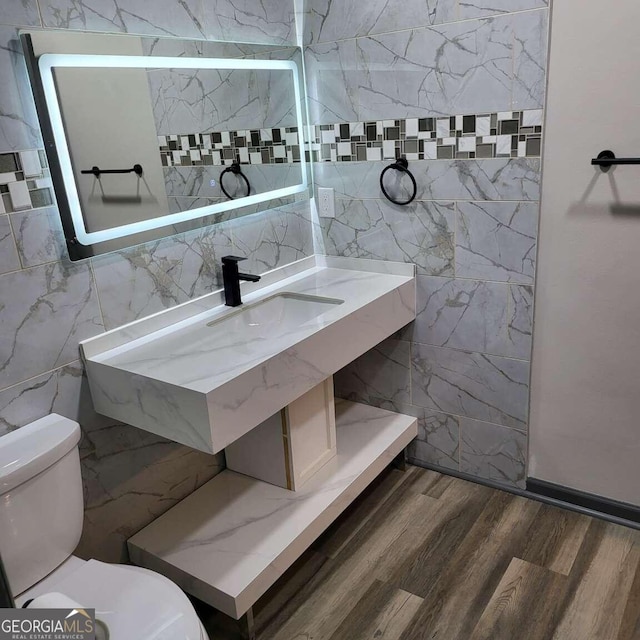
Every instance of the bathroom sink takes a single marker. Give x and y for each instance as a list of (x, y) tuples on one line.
[(204, 374), (275, 315)]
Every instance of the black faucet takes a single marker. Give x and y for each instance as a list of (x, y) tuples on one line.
[(231, 278)]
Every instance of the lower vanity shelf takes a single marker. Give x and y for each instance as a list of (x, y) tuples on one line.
[(230, 540)]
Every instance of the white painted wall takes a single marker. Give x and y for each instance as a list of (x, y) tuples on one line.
[(585, 388)]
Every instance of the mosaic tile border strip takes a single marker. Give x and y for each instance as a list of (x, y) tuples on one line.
[(507, 134), (504, 134), (25, 181), (254, 146)]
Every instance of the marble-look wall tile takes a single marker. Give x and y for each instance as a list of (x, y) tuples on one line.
[(464, 67), (497, 240), (64, 391), (22, 13), (329, 20), (482, 8), (421, 232), (131, 478), (491, 179), (39, 236), (196, 181), (274, 238), (531, 32), (188, 203), (137, 282), (462, 314), (520, 326), (9, 260), (142, 280), (381, 374), (469, 66), (19, 127), (438, 437), (44, 313), (193, 181), (332, 88), (161, 17), (57, 391), (474, 385), (160, 46), (267, 21), (493, 452), (438, 440), (205, 100)]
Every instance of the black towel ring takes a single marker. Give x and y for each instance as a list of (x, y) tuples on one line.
[(401, 164), (234, 168)]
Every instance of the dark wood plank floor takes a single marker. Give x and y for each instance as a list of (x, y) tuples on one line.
[(427, 556)]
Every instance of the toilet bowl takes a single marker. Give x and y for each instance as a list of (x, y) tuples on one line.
[(41, 512)]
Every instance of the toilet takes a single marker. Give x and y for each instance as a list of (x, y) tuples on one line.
[(41, 515)]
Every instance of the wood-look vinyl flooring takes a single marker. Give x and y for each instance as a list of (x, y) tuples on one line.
[(422, 555)]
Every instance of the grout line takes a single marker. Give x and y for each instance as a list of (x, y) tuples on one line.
[(40, 375), (441, 200), (94, 280), (40, 14), (480, 353), (427, 26), (455, 238), (411, 372), (63, 262), (8, 273), (15, 242), (457, 415)]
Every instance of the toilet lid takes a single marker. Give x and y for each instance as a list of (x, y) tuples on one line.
[(134, 603)]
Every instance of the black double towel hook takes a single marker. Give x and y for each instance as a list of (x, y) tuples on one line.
[(402, 165), (234, 168), (97, 171)]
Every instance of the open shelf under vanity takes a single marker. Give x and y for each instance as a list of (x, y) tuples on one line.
[(230, 540)]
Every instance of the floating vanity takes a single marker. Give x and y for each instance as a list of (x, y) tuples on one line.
[(203, 374), (256, 380)]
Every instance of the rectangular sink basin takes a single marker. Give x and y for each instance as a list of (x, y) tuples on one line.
[(203, 374), (274, 316)]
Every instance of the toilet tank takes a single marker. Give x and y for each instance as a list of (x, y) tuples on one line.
[(41, 502)]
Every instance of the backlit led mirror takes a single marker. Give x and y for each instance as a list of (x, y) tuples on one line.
[(148, 137)]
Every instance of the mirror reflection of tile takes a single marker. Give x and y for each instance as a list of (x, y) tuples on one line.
[(255, 146), (244, 109)]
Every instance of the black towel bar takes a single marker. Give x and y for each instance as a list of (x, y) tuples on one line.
[(96, 171), (607, 158)]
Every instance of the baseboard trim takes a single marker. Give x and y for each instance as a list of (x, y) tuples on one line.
[(621, 510), (562, 503)]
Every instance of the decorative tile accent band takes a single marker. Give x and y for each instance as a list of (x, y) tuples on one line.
[(259, 146), (508, 134), (25, 181)]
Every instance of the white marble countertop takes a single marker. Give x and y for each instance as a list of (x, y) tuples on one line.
[(230, 540), (194, 355), (175, 376)]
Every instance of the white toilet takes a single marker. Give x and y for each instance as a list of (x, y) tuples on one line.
[(41, 514)]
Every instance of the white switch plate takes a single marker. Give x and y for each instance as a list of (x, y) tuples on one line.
[(326, 203)]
